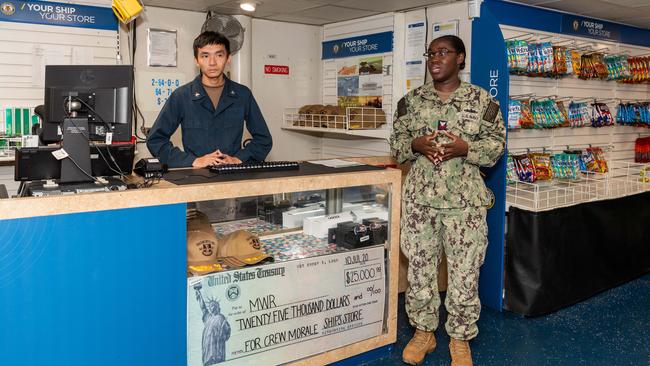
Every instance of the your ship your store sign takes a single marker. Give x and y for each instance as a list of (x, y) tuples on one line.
[(356, 46), (590, 28), (50, 13), (286, 311)]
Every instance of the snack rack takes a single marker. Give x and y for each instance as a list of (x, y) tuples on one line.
[(358, 121), (627, 178), (623, 179), (546, 195)]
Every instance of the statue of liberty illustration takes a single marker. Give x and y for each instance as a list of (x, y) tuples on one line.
[(216, 330)]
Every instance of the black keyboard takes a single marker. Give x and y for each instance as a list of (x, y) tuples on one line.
[(255, 167)]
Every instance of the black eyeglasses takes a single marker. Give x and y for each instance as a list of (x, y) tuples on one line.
[(443, 52)]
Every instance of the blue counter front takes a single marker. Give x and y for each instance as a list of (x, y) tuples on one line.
[(95, 288)]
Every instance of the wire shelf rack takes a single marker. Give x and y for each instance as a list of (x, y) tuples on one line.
[(332, 117), (624, 178)]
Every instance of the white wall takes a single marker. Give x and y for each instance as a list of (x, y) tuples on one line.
[(456, 11), (187, 25), (297, 46), (266, 42)]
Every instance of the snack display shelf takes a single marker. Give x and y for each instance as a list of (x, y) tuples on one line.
[(624, 178), (357, 121), (546, 195), (565, 241), (627, 178)]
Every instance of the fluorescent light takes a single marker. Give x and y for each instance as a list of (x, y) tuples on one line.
[(248, 5)]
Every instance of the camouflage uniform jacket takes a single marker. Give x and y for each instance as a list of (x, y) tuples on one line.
[(469, 113)]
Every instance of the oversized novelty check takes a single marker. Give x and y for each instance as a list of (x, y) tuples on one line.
[(285, 311)]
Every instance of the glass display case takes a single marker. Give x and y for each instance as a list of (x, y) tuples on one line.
[(293, 286), (300, 275)]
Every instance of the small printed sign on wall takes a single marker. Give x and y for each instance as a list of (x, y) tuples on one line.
[(276, 69), (155, 88)]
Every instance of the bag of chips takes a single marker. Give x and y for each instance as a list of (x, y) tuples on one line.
[(526, 119), (565, 166), (569, 62), (576, 62), (599, 158), (579, 115), (517, 51), (524, 168), (541, 166), (559, 61), (600, 115), (564, 114), (514, 114), (589, 163)]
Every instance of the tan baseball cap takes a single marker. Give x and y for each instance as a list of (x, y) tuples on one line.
[(241, 248), (197, 220), (202, 253)]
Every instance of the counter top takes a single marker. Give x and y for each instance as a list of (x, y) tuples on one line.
[(165, 193)]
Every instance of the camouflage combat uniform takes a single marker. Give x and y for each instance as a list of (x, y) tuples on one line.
[(444, 205)]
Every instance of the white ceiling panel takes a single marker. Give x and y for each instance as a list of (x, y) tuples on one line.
[(194, 5), (641, 12), (320, 12), (297, 19), (385, 6), (613, 13), (283, 7), (578, 6), (629, 3), (633, 12), (641, 22), (335, 13)]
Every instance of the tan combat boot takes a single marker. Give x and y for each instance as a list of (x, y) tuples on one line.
[(423, 342), (460, 353)]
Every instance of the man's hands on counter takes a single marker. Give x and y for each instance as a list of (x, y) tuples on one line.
[(214, 158), (437, 152)]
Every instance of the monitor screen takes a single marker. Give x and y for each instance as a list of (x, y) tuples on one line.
[(101, 93), (36, 163)]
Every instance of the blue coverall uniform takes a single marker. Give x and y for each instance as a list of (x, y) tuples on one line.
[(206, 129)]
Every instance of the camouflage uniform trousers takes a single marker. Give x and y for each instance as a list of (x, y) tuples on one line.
[(462, 234)]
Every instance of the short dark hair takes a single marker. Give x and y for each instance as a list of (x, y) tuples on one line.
[(210, 37), (457, 44)]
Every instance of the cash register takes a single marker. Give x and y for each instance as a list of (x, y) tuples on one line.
[(87, 118)]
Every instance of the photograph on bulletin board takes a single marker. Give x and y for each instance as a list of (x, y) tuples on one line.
[(370, 85), (370, 65), (347, 86), (346, 67)]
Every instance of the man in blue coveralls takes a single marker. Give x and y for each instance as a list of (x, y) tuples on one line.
[(211, 111)]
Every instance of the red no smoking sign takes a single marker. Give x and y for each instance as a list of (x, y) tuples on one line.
[(276, 69)]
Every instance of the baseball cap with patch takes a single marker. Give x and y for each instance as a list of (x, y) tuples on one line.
[(241, 248), (197, 220), (202, 250)]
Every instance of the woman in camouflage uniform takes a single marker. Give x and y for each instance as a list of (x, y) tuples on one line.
[(446, 129)]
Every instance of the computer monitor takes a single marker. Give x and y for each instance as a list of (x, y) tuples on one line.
[(101, 93), (38, 163)]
